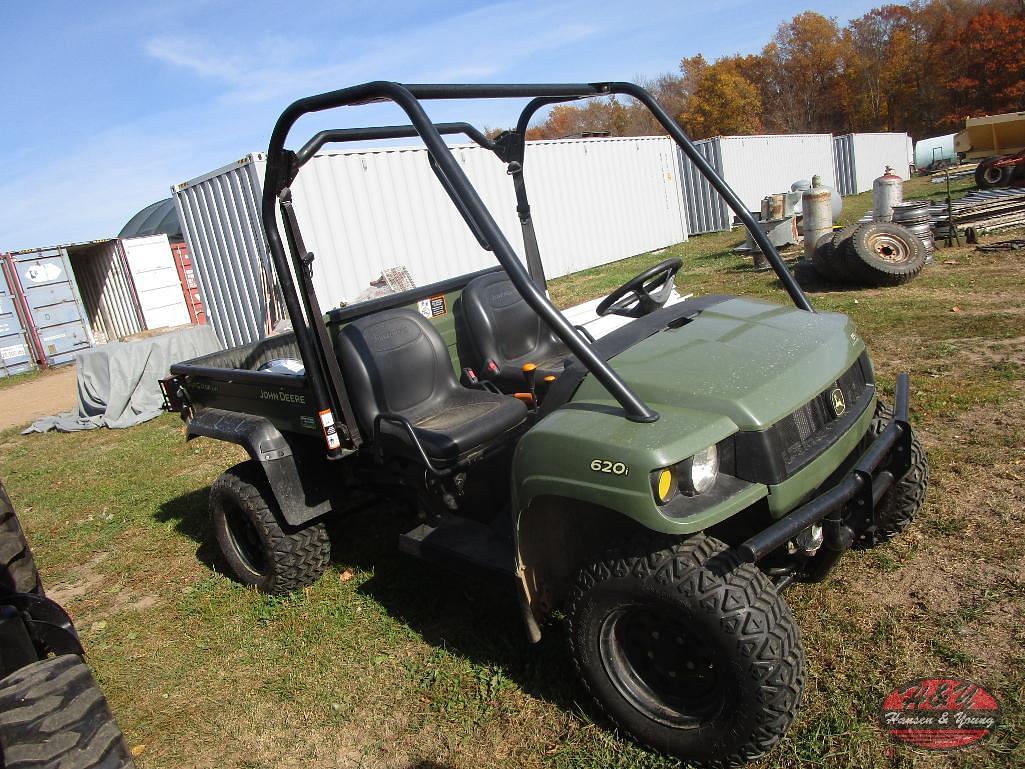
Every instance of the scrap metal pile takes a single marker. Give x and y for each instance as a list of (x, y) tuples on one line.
[(981, 212)]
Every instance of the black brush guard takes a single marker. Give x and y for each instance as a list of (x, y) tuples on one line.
[(848, 508)]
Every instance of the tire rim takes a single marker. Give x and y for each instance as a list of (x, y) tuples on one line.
[(992, 174), (889, 248), (661, 668), (245, 539)]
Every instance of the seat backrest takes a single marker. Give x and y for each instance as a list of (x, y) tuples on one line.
[(396, 362), (500, 323)]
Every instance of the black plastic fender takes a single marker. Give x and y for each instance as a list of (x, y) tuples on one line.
[(298, 502)]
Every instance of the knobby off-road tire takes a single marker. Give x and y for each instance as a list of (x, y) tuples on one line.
[(261, 549), (18, 572), (899, 506), (689, 653), (884, 254), (839, 263), (54, 716), (822, 258)]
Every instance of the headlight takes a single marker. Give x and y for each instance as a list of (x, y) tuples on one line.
[(692, 476), (699, 473)]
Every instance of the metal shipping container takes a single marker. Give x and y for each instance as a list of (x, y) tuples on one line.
[(754, 166), (190, 286), (53, 303), (15, 349), (106, 287), (156, 281), (360, 211), (860, 158)]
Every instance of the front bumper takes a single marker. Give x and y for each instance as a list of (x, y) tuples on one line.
[(848, 509)]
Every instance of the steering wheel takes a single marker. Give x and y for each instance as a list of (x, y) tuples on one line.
[(642, 294)]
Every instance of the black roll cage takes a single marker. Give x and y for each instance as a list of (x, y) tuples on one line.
[(283, 166)]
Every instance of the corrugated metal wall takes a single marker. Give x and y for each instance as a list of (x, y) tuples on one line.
[(106, 287), (706, 210), (54, 304), (593, 201), (754, 166), (220, 217), (15, 350), (860, 158)]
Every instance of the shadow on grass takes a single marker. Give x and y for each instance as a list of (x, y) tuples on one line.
[(475, 616), (188, 513)]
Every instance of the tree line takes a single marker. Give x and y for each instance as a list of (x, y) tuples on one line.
[(920, 68)]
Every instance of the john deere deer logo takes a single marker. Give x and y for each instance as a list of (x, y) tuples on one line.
[(837, 402)]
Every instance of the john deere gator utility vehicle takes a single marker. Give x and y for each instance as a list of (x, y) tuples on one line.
[(660, 485)]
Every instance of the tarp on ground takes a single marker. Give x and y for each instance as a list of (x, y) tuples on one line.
[(117, 382)]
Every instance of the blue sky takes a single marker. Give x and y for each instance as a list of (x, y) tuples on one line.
[(107, 104)]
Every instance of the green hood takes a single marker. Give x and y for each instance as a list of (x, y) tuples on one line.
[(748, 360)]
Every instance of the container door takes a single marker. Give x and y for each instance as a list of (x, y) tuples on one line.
[(156, 281), (15, 351), (54, 305), (190, 286)]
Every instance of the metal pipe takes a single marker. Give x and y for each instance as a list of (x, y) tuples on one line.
[(634, 407), (337, 135)]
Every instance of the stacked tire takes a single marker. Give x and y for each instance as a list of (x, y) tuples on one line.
[(52, 713), (873, 254)]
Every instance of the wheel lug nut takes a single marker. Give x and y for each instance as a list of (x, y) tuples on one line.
[(654, 634)]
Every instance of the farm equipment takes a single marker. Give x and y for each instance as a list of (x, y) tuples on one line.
[(997, 142), (661, 485)]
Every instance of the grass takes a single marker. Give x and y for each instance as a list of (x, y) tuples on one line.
[(407, 665)]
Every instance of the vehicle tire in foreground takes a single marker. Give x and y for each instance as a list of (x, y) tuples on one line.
[(54, 716), (688, 652), (18, 572), (884, 254), (261, 549), (899, 506)]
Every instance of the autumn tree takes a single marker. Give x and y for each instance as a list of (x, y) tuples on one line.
[(988, 65), (805, 75), (724, 102)]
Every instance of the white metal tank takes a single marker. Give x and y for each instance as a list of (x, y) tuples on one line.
[(887, 191), (817, 208)]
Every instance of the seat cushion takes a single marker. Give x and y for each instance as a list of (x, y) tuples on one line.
[(467, 421), (395, 362), (505, 329)]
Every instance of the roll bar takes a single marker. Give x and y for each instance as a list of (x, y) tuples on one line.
[(283, 165)]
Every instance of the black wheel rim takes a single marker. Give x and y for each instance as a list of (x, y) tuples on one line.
[(663, 669), (245, 539)]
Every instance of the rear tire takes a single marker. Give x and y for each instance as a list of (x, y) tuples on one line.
[(899, 506), (18, 572), (689, 653), (259, 546), (54, 716)]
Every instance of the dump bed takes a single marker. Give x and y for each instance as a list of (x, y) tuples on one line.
[(231, 380)]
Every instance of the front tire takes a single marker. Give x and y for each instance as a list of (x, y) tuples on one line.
[(687, 652), (901, 503), (261, 549)]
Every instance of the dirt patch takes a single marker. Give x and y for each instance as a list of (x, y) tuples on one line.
[(50, 393)]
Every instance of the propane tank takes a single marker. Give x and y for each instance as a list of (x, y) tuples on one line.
[(887, 191), (817, 211)]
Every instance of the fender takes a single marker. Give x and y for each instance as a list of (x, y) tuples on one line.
[(298, 503)]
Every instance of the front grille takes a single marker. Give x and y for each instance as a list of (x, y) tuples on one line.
[(803, 433), (773, 455)]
